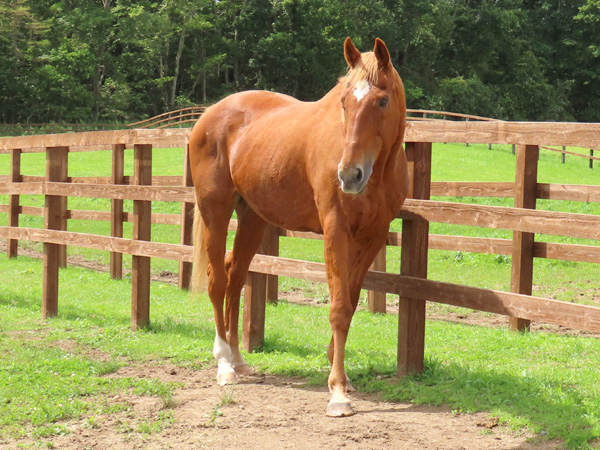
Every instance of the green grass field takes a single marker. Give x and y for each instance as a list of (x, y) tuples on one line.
[(541, 382)]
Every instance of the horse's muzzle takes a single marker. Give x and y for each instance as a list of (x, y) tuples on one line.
[(353, 179)]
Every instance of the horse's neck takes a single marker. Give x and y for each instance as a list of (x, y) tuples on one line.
[(332, 101)]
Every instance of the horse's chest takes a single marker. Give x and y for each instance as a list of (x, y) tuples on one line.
[(366, 217)]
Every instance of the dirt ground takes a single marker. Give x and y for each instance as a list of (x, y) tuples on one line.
[(267, 413)]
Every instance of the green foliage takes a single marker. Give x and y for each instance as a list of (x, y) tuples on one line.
[(120, 60)]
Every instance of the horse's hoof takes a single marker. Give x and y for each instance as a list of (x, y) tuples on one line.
[(339, 410), (226, 378), (243, 370), (349, 387)]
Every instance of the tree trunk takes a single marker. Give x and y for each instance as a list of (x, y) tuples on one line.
[(177, 64), (203, 57)]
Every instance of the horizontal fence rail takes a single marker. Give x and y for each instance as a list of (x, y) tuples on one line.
[(524, 220)]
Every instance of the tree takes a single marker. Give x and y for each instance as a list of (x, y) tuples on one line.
[(21, 40), (585, 58), (120, 60)]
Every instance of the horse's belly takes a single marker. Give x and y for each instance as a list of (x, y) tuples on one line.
[(268, 165), (283, 205)]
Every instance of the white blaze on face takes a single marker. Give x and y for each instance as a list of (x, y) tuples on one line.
[(361, 89)]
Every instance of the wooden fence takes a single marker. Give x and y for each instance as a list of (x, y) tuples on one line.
[(412, 285), (190, 115), (176, 118), (23, 129)]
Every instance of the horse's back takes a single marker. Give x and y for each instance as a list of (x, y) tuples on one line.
[(222, 122)]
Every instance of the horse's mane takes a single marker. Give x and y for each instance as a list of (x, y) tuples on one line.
[(366, 68)]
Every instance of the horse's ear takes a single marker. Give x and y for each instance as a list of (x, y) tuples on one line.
[(382, 54), (351, 54)]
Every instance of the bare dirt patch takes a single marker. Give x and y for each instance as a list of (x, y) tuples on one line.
[(270, 413)]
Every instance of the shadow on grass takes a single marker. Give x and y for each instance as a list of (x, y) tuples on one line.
[(19, 301)]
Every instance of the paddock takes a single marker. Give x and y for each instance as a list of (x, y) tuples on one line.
[(411, 284)]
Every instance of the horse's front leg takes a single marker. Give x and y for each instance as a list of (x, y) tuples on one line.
[(340, 314), (361, 256)]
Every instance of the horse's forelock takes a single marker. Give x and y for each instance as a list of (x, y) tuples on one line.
[(366, 68)]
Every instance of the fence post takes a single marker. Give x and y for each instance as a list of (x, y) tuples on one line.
[(377, 302), (116, 209), (187, 224), (142, 223), (591, 160), (63, 177), (415, 245), (255, 296), (522, 245), (256, 293), (54, 219), (270, 246), (564, 154), (13, 201)]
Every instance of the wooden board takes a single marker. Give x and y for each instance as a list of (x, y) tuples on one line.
[(585, 226), (149, 193), (472, 189), (572, 192), (174, 252), (163, 138), (497, 132), (566, 314), (582, 193), (575, 316)]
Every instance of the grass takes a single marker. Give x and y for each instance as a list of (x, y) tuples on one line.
[(541, 382), (536, 381)]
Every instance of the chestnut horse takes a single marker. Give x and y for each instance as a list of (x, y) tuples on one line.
[(335, 166)]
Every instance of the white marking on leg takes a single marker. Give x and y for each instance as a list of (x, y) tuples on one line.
[(222, 353), (236, 358), (361, 89)]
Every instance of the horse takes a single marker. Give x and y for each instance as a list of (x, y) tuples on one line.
[(335, 166)]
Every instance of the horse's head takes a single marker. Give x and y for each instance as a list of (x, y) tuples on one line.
[(373, 112)]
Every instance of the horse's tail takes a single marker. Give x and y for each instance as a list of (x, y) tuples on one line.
[(200, 266)]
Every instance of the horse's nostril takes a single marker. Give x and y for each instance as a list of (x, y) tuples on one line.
[(359, 174)]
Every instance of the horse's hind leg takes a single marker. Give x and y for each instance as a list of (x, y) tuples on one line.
[(216, 213), (250, 231)]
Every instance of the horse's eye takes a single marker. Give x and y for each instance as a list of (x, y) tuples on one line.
[(383, 102)]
